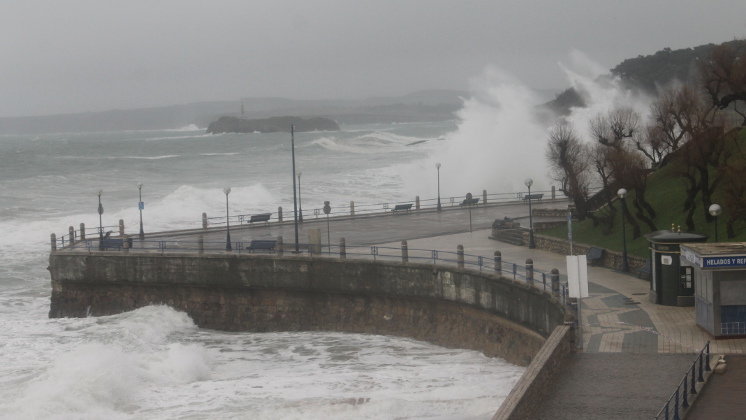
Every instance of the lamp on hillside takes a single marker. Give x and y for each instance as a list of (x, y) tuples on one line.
[(531, 243), (437, 167), (228, 247), (625, 264), (715, 211)]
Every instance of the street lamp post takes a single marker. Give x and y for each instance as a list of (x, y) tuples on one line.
[(327, 210), (300, 201), (295, 200), (531, 243), (141, 206), (437, 166), (228, 247), (715, 211), (100, 222), (625, 264)]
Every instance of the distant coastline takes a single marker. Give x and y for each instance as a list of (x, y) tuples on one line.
[(271, 125)]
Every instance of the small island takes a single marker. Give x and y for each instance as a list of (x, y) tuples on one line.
[(271, 125)]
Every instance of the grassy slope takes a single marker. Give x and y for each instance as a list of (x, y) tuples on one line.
[(666, 192)]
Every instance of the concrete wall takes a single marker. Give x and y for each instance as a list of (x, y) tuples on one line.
[(446, 306), (611, 259), (538, 379)]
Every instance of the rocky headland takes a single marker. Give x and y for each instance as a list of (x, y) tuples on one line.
[(271, 125)]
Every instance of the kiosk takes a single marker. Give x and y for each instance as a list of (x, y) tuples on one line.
[(720, 286), (670, 284)]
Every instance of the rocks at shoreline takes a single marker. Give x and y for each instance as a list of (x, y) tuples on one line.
[(271, 125)]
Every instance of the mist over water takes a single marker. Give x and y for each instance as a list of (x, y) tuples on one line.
[(154, 362)]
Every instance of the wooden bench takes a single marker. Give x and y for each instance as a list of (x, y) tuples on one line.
[(594, 255), (262, 217), (469, 202), (533, 197), (262, 245), (402, 207)]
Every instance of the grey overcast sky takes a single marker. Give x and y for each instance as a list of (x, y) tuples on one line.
[(63, 56)]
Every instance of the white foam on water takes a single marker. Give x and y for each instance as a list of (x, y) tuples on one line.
[(371, 142)]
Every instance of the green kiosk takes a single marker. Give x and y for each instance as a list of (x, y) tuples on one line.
[(671, 283)]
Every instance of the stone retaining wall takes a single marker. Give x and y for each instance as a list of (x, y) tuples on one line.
[(442, 305), (538, 378), (611, 259)]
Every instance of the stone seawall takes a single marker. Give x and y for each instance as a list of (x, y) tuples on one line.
[(442, 305)]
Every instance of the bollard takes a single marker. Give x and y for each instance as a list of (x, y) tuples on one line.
[(554, 274), (121, 227), (530, 271), (553, 193), (280, 246), (201, 244), (82, 231), (53, 240), (71, 230), (204, 221), (498, 261), (404, 252), (342, 249), (279, 214), (417, 202), (460, 256), (484, 197), (352, 208)]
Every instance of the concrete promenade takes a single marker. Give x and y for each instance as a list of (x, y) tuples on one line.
[(634, 353)]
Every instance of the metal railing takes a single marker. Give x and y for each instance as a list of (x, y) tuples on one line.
[(524, 273), (679, 400)]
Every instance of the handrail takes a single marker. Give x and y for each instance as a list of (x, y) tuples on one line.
[(687, 386), (521, 273)]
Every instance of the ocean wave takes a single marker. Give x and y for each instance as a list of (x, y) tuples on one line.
[(188, 127), (371, 142)]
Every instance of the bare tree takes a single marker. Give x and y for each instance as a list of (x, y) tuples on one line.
[(724, 77), (568, 160)]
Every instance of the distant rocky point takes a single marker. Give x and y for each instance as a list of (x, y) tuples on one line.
[(271, 125)]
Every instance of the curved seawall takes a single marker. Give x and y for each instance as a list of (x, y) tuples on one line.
[(439, 304)]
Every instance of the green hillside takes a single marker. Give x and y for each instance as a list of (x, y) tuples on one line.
[(666, 193)]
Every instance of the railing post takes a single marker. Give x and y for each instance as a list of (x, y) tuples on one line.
[(484, 197), (498, 262), (404, 252), (279, 214), (515, 270), (71, 231), (417, 202), (530, 271), (204, 221), (553, 192), (125, 243), (121, 227), (694, 386), (82, 231), (280, 246), (701, 376), (342, 249), (460, 256), (707, 357), (685, 399), (53, 240), (555, 278), (676, 405), (352, 208), (201, 244)]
